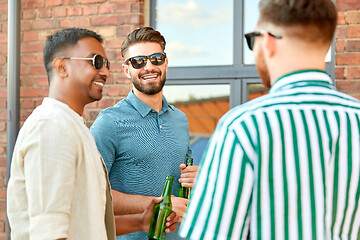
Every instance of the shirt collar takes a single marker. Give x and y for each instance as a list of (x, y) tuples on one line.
[(143, 108), (301, 78), (48, 101)]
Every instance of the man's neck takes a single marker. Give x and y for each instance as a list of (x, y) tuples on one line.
[(153, 101)]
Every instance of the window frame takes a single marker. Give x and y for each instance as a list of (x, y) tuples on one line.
[(237, 75)]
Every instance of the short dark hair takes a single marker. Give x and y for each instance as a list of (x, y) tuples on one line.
[(317, 17), (141, 35), (64, 39)]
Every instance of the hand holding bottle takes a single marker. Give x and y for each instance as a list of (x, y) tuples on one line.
[(179, 206), (171, 222), (188, 175)]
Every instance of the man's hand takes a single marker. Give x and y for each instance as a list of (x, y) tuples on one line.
[(188, 175), (179, 206), (148, 213)]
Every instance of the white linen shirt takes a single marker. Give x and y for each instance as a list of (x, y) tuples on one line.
[(58, 184)]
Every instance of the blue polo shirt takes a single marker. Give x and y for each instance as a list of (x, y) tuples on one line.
[(141, 147)]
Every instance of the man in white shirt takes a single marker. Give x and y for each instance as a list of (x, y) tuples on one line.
[(58, 187)]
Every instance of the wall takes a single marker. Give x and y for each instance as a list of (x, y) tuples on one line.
[(347, 66), (114, 19)]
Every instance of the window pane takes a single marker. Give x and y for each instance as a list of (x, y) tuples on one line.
[(251, 16), (256, 90), (197, 32), (203, 106)]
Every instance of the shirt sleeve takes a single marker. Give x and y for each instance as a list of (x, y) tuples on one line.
[(104, 133), (221, 199), (50, 160)]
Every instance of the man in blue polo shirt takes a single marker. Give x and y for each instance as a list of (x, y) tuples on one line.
[(142, 138)]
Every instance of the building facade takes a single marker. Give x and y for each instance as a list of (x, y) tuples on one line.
[(114, 19)]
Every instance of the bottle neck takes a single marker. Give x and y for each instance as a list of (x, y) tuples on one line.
[(189, 162), (166, 194)]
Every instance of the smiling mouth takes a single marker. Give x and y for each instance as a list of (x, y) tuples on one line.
[(150, 77), (99, 84)]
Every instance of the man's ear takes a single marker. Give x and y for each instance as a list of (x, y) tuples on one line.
[(59, 66), (126, 70), (269, 45)]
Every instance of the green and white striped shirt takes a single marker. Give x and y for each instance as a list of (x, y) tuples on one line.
[(285, 165)]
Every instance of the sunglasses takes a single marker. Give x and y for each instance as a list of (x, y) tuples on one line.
[(98, 61), (250, 38), (138, 62)]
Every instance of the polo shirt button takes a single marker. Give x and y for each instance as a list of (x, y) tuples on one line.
[(160, 126)]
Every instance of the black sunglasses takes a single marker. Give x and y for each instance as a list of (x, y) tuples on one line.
[(250, 38), (98, 61), (138, 62)]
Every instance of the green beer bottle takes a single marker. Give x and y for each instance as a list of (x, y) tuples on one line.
[(161, 211), (184, 192)]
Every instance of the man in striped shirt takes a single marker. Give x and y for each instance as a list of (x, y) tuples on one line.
[(285, 165)]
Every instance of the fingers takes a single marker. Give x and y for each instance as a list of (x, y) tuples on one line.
[(171, 223), (179, 206), (150, 207), (189, 169), (182, 166)]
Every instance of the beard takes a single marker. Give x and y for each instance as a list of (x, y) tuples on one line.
[(262, 68), (149, 88)]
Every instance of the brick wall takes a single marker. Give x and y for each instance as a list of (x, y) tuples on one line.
[(114, 19), (347, 66)]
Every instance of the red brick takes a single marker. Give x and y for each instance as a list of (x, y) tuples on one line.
[(75, 11), (105, 103), (118, 90), (33, 4), (27, 104), (3, 48), (341, 32), (24, 115), (353, 73), (114, 44), (3, 193), (133, 19), (3, 37), (107, 20), (345, 5), (353, 46), (42, 81), (93, 114), (91, 1), (2, 126), (25, 25), (353, 17), (59, 12), (30, 36), (2, 81), (123, 8), (44, 24), (38, 70), (3, 93), (339, 73), (136, 7), (341, 18), (107, 8), (45, 13), (28, 92), (28, 59), (107, 32), (4, 6), (28, 14), (77, 22), (90, 10), (51, 3), (348, 86), (3, 159), (353, 31), (340, 46), (24, 69), (122, 31), (3, 16), (347, 59)]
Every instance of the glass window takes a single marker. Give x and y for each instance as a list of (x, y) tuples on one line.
[(197, 33), (251, 16), (255, 90), (203, 106)]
